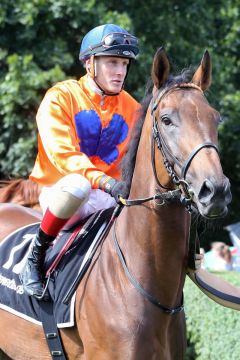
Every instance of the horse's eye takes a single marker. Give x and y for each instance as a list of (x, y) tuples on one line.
[(165, 120)]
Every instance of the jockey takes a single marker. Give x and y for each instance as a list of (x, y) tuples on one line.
[(83, 131)]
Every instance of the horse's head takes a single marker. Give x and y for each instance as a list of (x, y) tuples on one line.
[(185, 131)]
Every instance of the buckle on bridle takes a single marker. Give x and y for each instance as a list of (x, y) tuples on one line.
[(156, 197)]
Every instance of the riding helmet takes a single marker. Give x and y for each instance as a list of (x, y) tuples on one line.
[(108, 40)]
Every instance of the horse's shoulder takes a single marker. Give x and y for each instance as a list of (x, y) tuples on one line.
[(21, 210)]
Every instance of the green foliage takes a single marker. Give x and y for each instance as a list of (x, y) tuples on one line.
[(230, 145), (19, 98), (212, 330)]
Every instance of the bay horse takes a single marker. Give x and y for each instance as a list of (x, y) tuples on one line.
[(173, 151)]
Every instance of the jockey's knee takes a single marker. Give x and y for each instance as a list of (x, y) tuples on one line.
[(75, 184), (69, 193)]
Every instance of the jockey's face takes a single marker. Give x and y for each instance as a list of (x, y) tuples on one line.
[(110, 73)]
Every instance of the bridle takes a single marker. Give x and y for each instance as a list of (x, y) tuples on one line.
[(181, 193), (168, 157)]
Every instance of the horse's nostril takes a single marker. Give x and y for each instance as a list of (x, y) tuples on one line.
[(217, 191), (206, 192)]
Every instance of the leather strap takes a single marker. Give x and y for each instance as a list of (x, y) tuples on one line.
[(138, 287), (192, 155), (193, 242), (217, 289), (165, 197), (51, 330)]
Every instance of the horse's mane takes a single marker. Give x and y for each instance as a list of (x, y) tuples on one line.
[(128, 162)]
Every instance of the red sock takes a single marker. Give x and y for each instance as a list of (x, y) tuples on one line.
[(51, 224)]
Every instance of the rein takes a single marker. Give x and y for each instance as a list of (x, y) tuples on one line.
[(183, 193), (138, 287)]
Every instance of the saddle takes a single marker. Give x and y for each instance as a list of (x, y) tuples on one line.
[(80, 234), (65, 264)]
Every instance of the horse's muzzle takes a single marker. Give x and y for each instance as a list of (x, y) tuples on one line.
[(214, 197)]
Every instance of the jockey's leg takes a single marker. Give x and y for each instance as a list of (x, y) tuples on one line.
[(70, 193)]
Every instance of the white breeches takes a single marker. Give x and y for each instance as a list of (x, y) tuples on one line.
[(73, 195)]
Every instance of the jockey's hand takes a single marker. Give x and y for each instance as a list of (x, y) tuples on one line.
[(114, 187), (198, 261)]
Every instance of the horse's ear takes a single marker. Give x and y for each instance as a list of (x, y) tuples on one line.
[(203, 74), (160, 68)]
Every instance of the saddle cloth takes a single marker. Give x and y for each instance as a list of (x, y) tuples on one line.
[(13, 253)]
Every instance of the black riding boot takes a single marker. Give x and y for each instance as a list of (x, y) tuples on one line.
[(31, 275)]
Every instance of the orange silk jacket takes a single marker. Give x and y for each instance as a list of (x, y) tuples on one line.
[(82, 132)]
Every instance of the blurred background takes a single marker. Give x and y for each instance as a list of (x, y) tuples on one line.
[(39, 45)]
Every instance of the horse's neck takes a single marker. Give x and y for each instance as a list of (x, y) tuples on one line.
[(153, 238)]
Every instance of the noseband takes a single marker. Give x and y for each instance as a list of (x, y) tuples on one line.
[(168, 157)]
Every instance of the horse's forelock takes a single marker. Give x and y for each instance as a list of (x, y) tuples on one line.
[(184, 77)]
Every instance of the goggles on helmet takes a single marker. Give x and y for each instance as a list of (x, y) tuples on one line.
[(118, 39), (113, 41)]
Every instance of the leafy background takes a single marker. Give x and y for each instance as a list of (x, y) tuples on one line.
[(39, 45)]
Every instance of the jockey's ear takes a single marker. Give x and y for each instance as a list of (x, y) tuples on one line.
[(203, 74), (160, 68), (90, 67)]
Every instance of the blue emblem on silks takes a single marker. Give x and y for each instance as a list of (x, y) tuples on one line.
[(98, 141)]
